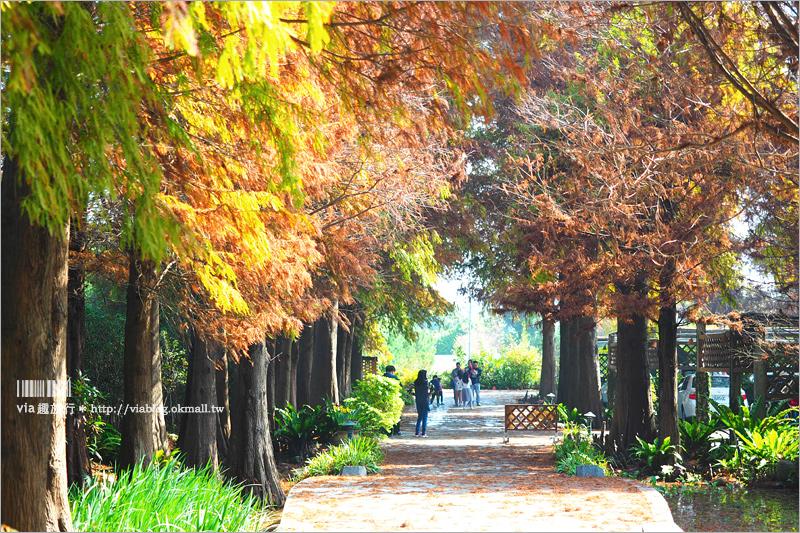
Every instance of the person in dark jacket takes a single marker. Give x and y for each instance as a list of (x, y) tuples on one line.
[(436, 393), (476, 382), (421, 397)]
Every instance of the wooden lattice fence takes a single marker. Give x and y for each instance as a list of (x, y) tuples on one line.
[(526, 416), (723, 352), (369, 365)]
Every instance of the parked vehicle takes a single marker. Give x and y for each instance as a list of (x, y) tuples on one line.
[(718, 390)]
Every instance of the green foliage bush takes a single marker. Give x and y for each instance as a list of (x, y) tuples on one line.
[(656, 454), (762, 442), (761, 451), (166, 497), (298, 430), (103, 443), (696, 439), (576, 448), (518, 367), (378, 403), (361, 451), (570, 417)]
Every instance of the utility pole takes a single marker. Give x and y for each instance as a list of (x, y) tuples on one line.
[(469, 332)]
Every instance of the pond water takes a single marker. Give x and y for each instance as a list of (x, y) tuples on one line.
[(728, 509)]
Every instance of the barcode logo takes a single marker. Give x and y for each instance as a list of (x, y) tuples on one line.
[(43, 388)]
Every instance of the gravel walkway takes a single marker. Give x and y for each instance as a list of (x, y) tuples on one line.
[(463, 478)]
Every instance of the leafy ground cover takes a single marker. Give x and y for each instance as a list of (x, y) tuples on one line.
[(166, 497)]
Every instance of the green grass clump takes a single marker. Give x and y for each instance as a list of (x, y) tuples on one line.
[(576, 449), (361, 451), (166, 497)]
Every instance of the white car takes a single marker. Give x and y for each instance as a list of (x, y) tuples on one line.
[(719, 388)]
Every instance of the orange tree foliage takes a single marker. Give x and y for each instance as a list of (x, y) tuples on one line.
[(312, 137)]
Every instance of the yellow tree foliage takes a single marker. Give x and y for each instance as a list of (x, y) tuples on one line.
[(316, 135)]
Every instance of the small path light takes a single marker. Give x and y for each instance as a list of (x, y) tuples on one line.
[(551, 397), (590, 416), (349, 426)]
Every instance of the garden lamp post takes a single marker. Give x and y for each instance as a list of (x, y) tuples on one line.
[(551, 397), (590, 416), (349, 426)]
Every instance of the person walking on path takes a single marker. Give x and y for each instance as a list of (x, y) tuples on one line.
[(466, 390), (421, 397), (458, 384), (454, 377), (476, 382), (390, 373), (437, 391)]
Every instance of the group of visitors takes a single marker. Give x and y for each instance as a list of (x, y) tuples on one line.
[(466, 384)]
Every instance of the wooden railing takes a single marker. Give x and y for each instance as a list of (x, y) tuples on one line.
[(521, 417)]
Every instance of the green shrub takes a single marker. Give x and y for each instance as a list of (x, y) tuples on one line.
[(518, 367), (576, 448), (572, 417), (696, 439), (407, 396), (761, 451), (103, 443), (102, 439), (298, 430), (747, 418), (656, 454), (166, 497), (377, 401), (361, 451)]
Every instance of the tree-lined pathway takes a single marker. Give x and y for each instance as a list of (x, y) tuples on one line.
[(463, 478)]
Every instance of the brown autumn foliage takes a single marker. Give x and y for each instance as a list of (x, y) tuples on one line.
[(646, 153), (288, 190)]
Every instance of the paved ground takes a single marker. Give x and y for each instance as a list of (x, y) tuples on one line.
[(463, 478)]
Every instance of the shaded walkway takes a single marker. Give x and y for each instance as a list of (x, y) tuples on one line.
[(463, 478)]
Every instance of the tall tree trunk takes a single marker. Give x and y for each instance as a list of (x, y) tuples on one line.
[(160, 441), (324, 384), (140, 420), (702, 386), (305, 364), (574, 375), (187, 396), (293, 376), (344, 356), (588, 390), (668, 359), (271, 346), (199, 437), (284, 373), (356, 361), (224, 416), (565, 366), (78, 466), (250, 458), (611, 390), (34, 330), (341, 343), (547, 383), (633, 408), (347, 386)]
